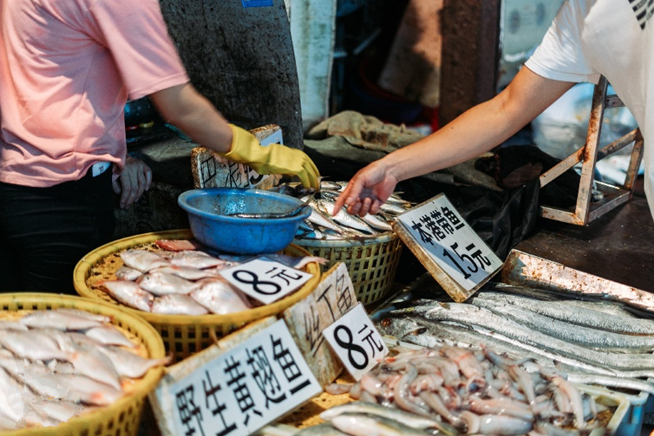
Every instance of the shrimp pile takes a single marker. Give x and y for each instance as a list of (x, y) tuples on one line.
[(478, 392)]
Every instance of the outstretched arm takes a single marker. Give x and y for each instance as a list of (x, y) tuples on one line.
[(474, 132), (196, 116)]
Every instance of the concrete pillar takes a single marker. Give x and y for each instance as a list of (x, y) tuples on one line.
[(470, 55)]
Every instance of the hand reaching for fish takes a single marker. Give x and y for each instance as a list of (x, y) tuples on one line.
[(367, 191)]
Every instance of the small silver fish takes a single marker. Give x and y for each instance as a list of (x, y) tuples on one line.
[(142, 260), (58, 320), (126, 273), (330, 186), (74, 388), (130, 294), (107, 334), (377, 223), (320, 430), (219, 297), (57, 411), (129, 364), (12, 325), (84, 314), (11, 401), (161, 283), (317, 217), (343, 218), (359, 407), (177, 304), (32, 345), (91, 362), (179, 244), (186, 272), (195, 259), (392, 208), (364, 425)]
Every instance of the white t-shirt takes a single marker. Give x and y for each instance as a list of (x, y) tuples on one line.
[(613, 38)]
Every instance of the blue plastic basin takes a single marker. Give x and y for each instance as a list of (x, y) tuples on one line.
[(208, 209)]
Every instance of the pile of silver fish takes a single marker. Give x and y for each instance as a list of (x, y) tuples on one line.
[(454, 390), (324, 225), (181, 279), (58, 364), (594, 342)]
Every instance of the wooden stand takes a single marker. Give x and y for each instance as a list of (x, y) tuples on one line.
[(585, 209)]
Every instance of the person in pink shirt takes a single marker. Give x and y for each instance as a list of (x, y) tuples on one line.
[(67, 68)]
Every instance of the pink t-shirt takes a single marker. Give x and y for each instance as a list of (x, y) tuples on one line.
[(67, 68)]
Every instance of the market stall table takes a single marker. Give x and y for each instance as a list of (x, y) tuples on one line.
[(619, 246)]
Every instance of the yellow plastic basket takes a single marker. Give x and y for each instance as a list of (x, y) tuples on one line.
[(122, 418), (371, 262), (184, 335)]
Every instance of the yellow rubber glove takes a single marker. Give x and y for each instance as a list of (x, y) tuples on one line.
[(273, 158)]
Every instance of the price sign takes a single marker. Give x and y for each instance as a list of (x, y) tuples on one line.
[(333, 297), (265, 280), (356, 341), (245, 388), (444, 238)]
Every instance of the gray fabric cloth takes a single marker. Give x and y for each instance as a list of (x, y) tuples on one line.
[(362, 139)]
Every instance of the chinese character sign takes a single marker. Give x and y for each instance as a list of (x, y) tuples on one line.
[(332, 298), (246, 388), (450, 242), (356, 341), (265, 280)]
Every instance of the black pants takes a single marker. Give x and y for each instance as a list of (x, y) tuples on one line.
[(44, 232)]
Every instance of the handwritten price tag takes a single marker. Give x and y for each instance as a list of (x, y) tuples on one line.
[(245, 388), (444, 238), (265, 280), (356, 341)]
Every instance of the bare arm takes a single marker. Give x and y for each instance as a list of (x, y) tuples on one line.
[(196, 116), (188, 110), (476, 131)]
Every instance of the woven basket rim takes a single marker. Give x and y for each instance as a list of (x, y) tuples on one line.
[(346, 243), (148, 335), (83, 268)]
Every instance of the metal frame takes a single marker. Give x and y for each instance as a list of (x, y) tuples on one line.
[(585, 209)]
